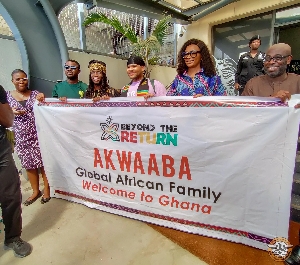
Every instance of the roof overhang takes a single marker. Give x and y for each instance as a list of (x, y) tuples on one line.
[(182, 11)]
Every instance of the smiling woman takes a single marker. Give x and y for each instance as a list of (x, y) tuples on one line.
[(21, 101), (98, 83), (196, 72)]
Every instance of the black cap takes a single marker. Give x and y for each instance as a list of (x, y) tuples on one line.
[(256, 37), (136, 60)]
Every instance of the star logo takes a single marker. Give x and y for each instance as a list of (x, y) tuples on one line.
[(110, 130)]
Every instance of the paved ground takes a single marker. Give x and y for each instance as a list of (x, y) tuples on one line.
[(64, 233)]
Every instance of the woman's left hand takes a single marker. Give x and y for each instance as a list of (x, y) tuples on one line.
[(149, 95), (197, 96), (40, 97)]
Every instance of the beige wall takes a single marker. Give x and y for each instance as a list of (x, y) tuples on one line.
[(201, 29), (116, 69)]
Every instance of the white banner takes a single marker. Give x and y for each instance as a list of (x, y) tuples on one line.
[(215, 166)]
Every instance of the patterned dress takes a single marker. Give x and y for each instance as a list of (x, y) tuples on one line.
[(27, 145)]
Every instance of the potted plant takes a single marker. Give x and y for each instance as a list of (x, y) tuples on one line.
[(148, 48)]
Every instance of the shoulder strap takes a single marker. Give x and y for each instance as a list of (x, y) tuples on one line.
[(152, 83)]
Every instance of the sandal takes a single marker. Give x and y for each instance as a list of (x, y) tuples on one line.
[(45, 200), (28, 202)]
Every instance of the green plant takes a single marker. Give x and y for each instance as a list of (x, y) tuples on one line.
[(148, 48)]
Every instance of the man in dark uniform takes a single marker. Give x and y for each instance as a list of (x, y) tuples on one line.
[(250, 65), (10, 192)]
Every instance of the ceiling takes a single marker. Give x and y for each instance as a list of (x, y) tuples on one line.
[(185, 4), (182, 11)]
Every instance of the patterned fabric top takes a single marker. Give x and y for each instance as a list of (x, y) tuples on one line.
[(24, 125), (184, 85), (143, 87), (27, 145), (111, 92)]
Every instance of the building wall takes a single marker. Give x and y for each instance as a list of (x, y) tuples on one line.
[(10, 59), (244, 8)]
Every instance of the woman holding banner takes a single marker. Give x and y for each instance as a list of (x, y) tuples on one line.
[(98, 83), (196, 72), (21, 101)]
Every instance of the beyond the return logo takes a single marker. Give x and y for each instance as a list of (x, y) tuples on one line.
[(139, 133)]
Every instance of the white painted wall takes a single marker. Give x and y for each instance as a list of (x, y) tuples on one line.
[(10, 59)]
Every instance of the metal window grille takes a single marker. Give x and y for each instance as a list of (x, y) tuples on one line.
[(104, 39), (4, 28)]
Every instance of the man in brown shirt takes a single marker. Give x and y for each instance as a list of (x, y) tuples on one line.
[(276, 82), (280, 84)]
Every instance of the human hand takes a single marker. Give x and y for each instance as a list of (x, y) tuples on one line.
[(197, 96), (40, 97), (297, 106), (283, 95), (237, 86), (18, 112), (63, 99), (96, 99), (149, 95)]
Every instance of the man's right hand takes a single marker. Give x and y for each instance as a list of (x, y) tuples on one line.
[(283, 95), (63, 99), (236, 86)]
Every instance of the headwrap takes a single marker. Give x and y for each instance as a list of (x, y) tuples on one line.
[(136, 60), (97, 67)]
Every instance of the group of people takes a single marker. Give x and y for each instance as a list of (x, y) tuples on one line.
[(196, 76)]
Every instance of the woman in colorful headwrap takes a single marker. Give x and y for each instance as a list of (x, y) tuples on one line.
[(99, 88), (140, 85), (196, 72)]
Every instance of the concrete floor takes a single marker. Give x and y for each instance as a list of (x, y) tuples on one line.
[(64, 233)]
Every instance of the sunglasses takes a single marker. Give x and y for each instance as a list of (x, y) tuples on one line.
[(72, 67), (193, 54), (276, 58)]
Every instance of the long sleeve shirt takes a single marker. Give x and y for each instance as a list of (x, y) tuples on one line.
[(184, 85)]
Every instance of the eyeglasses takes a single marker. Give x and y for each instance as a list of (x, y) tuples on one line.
[(72, 67), (21, 79), (193, 54), (276, 58)]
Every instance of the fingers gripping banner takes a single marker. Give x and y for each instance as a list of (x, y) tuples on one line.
[(216, 166)]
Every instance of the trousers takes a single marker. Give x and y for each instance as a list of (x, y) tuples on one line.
[(10, 192)]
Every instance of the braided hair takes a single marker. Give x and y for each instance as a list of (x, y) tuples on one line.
[(206, 60), (104, 86)]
